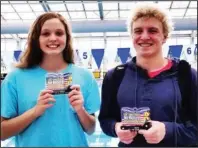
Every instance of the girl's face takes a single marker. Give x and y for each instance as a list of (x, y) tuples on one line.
[(52, 39)]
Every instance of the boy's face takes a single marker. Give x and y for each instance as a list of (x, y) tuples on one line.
[(148, 36)]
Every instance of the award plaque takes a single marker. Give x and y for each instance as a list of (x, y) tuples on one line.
[(58, 82), (135, 118)]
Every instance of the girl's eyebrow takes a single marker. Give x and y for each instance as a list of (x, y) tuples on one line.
[(49, 30)]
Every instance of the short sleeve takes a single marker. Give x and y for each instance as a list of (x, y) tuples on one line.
[(92, 97), (8, 97)]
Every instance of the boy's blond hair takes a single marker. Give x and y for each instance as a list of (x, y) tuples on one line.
[(150, 11)]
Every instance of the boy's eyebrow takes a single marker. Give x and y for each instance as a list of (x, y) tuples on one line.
[(138, 28), (153, 28)]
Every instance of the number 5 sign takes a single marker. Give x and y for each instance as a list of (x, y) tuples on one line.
[(85, 56)]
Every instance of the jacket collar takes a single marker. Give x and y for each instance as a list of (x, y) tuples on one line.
[(132, 64)]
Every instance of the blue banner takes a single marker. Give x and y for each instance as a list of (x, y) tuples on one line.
[(123, 53), (175, 51), (98, 55), (17, 54)]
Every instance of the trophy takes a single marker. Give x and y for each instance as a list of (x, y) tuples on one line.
[(58, 82), (135, 118)]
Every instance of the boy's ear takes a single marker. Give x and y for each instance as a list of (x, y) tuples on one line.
[(164, 41)]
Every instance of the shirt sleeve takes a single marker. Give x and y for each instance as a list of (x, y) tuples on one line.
[(109, 111), (9, 97), (92, 97)]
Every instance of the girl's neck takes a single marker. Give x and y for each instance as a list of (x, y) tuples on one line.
[(53, 63)]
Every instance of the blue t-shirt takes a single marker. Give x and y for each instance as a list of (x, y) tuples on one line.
[(59, 125)]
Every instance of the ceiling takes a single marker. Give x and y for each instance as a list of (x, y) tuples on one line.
[(28, 11)]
